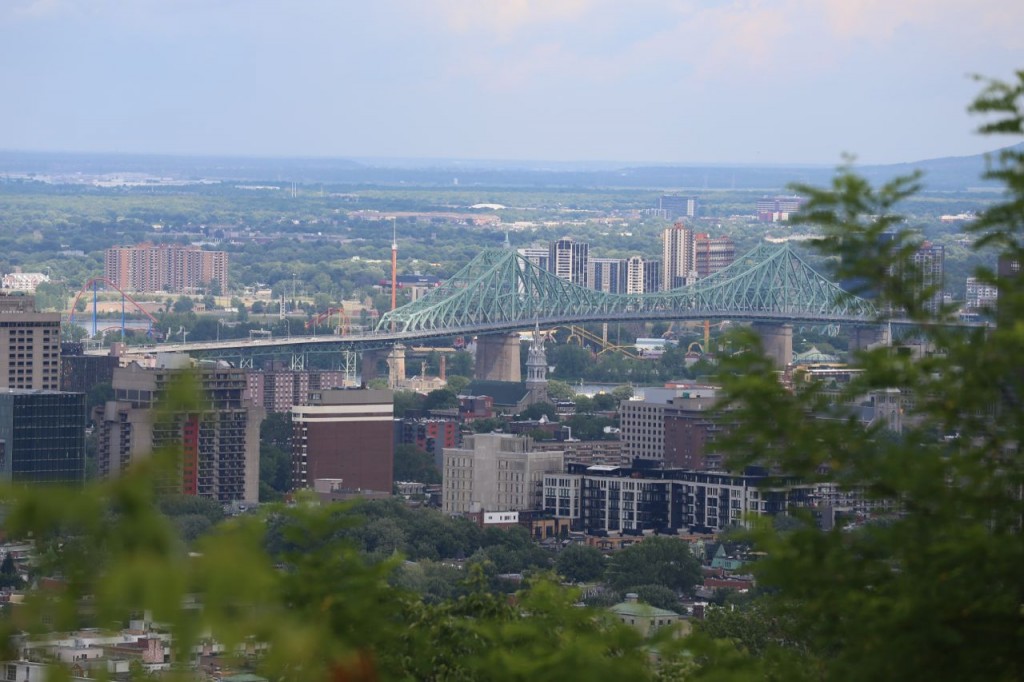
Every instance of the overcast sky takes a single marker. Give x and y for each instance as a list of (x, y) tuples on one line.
[(726, 81)]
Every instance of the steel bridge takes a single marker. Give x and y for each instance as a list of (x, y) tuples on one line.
[(500, 291)]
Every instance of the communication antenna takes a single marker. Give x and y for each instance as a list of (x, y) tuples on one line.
[(394, 267)]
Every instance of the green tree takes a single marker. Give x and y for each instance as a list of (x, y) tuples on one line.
[(407, 401), (655, 561), (538, 410), (580, 563), (658, 596), (184, 304), (460, 363), (413, 464), (560, 391), (440, 399), (903, 595), (457, 382)]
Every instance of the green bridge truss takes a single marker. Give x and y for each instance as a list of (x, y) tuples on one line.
[(500, 290)]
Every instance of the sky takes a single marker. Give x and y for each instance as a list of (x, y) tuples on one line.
[(659, 81)]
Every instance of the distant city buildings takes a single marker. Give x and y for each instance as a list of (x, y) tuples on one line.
[(929, 271), (42, 436), (23, 281), (279, 390), (642, 276), (218, 441), (778, 208), (979, 294), (496, 472), (567, 259), (676, 206), (165, 267), (711, 254), (608, 274), (678, 265), (599, 499), (29, 344), (346, 436)]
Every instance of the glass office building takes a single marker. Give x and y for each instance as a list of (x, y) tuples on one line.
[(42, 436)]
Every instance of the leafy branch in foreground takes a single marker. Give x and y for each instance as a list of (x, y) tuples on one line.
[(928, 586)]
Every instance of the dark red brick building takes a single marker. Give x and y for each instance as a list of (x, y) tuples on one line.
[(346, 435)]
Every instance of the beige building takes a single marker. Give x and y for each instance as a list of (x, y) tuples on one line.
[(29, 345), (496, 472), (219, 443)]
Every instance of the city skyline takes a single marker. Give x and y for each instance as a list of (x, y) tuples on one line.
[(774, 82)]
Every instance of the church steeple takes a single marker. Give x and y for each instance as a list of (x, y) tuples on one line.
[(537, 368)]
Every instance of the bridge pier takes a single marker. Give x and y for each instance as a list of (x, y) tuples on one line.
[(497, 358), (864, 338), (368, 366), (396, 366), (777, 340)]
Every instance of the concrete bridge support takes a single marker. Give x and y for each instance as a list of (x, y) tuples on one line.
[(864, 338), (368, 365), (777, 340), (497, 358), (396, 366)]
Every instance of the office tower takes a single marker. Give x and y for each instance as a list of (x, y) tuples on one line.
[(42, 436), (165, 267), (538, 256), (29, 344), (711, 254), (495, 472), (929, 264), (677, 206), (346, 436), (567, 259), (607, 274), (677, 257), (80, 372), (218, 443)]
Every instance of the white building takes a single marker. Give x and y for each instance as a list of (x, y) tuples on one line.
[(496, 471), (23, 281)]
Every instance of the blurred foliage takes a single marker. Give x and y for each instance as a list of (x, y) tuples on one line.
[(324, 588), (928, 587)]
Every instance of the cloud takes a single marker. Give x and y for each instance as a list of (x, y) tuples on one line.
[(505, 17)]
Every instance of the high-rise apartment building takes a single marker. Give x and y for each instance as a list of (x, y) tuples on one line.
[(537, 255), (929, 270), (711, 254), (165, 267), (29, 345), (495, 472), (346, 436), (677, 257), (567, 259), (281, 390), (218, 442), (642, 276), (607, 274), (42, 436)]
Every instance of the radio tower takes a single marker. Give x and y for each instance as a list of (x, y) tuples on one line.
[(394, 268)]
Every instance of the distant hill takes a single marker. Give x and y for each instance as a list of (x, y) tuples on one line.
[(943, 174)]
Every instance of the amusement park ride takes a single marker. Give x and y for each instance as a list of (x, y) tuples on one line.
[(94, 286)]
